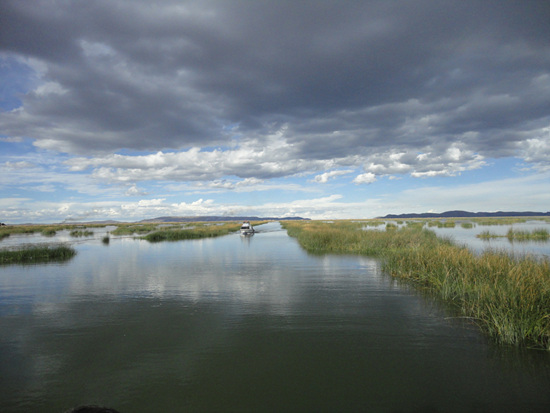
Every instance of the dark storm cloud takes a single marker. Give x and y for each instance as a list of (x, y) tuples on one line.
[(341, 77)]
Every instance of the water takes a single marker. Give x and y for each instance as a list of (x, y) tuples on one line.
[(244, 324), (468, 237)]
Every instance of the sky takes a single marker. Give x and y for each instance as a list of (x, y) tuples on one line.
[(128, 110)]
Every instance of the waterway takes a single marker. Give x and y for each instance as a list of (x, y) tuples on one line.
[(248, 324)]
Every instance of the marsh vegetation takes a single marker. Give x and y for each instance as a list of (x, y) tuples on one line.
[(197, 230), (507, 296), (538, 234), (36, 255)]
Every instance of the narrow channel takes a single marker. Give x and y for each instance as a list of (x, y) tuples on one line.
[(244, 324)]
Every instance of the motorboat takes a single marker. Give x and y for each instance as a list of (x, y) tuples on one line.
[(247, 228)]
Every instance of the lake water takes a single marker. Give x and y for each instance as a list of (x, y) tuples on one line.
[(243, 324)]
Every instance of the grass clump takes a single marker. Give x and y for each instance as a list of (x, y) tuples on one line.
[(509, 298), (487, 235), (130, 229), (540, 234), (200, 230), (36, 254), (442, 224), (415, 224), (499, 221), (49, 232), (81, 233), (467, 225)]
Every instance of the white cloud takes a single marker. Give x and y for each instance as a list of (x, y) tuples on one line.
[(366, 178), (325, 177)]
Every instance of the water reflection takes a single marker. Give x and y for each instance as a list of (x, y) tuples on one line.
[(468, 236), (250, 324)]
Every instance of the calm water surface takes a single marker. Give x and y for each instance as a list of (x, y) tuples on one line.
[(244, 324)]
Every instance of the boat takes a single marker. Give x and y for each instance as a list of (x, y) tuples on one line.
[(247, 228)]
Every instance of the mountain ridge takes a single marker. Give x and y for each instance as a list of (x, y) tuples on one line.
[(467, 214)]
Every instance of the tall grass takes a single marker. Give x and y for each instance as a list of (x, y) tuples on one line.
[(196, 232), (487, 235), (487, 221), (45, 229), (129, 229), (508, 297), (81, 233), (36, 254), (540, 234)]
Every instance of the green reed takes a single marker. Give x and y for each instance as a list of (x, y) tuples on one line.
[(487, 235), (130, 229), (36, 254), (199, 230), (81, 233), (508, 297), (487, 221), (539, 234), (49, 232), (442, 224)]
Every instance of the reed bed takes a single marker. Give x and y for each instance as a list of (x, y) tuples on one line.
[(49, 232), (200, 230), (81, 233), (500, 221), (487, 235), (130, 229), (442, 224), (539, 234), (508, 297), (36, 254), (373, 223), (45, 229)]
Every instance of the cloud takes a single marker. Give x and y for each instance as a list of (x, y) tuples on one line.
[(202, 99), (325, 177), (366, 178), (361, 78)]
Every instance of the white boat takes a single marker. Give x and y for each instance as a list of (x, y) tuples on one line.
[(247, 228)]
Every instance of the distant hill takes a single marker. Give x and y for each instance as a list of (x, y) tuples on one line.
[(219, 218), (466, 214)]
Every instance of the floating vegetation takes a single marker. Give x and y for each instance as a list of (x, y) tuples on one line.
[(106, 239), (49, 232), (81, 233), (507, 297), (499, 221), (539, 234), (467, 225), (415, 224), (36, 255), (487, 235), (442, 224), (200, 230), (130, 229)]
